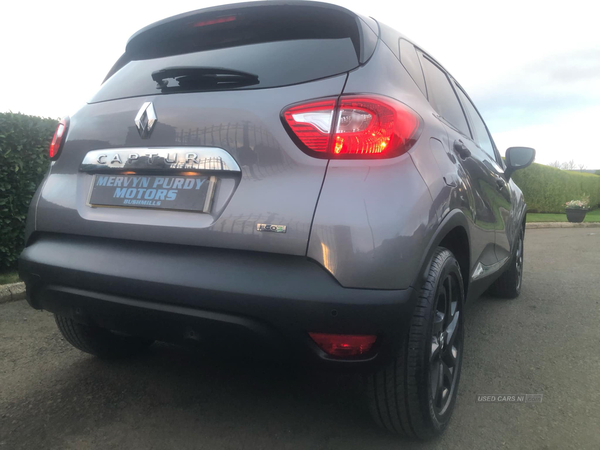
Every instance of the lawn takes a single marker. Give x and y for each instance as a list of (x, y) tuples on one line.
[(9, 277), (592, 216)]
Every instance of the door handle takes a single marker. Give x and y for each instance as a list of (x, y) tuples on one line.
[(461, 149), (500, 183)]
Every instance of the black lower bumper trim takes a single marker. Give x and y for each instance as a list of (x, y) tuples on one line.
[(176, 292)]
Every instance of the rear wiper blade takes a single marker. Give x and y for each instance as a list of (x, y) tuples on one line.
[(195, 78)]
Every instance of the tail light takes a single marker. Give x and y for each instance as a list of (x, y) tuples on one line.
[(363, 127), (343, 345), (58, 140)]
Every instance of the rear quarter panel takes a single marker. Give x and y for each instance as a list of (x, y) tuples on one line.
[(372, 223), (375, 220)]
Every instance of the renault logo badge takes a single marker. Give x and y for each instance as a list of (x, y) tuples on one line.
[(145, 120)]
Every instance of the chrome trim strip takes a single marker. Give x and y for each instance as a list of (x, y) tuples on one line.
[(481, 270), (89, 196), (210, 194), (160, 158)]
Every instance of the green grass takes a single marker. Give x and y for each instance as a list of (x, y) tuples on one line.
[(9, 277), (592, 216)]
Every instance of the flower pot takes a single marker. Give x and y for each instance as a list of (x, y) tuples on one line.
[(575, 215)]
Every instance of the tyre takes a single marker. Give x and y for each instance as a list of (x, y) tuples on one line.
[(99, 341), (509, 283), (414, 395)]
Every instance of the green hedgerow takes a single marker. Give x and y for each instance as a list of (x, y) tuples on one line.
[(547, 189), (24, 143)]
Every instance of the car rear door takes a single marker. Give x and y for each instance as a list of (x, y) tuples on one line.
[(484, 149), (482, 182)]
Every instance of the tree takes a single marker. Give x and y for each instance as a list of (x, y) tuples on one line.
[(581, 167), (557, 164), (569, 165)]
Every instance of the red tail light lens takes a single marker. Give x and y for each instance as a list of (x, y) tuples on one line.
[(57, 140), (343, 345), (365, 127), (370, 126)]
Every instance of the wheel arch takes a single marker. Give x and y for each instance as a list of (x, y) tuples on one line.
[(457, 241), (453, 234)]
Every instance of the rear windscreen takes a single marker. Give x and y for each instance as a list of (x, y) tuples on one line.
[(252, 48)]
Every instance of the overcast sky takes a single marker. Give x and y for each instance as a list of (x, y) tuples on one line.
[(532, 68)]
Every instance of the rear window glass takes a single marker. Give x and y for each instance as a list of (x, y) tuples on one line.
[(442, 96), (247, 50), (480, 132)]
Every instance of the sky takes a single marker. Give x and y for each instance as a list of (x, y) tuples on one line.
[(531, 67)]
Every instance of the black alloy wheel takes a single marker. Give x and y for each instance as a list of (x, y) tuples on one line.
[(414, 395), (446, 344)]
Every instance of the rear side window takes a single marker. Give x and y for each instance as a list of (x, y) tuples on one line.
[(410, 61), (481, 136), (250, 48), (442, 96)]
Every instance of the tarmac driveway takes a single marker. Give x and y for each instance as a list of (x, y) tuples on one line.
[(546, 342)]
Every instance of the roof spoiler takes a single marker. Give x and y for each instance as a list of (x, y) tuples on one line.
[(160, 31)]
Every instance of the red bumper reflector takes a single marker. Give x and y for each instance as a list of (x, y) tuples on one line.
[(343, 345)]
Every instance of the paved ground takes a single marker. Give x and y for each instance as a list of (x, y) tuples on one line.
[(546, 342)]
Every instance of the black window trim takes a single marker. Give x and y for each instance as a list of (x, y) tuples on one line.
[(426, 93), (496, 152), (450, 79)]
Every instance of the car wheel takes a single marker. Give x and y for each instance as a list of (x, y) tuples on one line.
[(99, 341), (414, 395), (509, 283)]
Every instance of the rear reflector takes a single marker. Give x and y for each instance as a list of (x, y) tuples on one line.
[(343, 345), (57, 140), (365, 127)]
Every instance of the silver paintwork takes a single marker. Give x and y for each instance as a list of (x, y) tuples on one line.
[(157, 159)]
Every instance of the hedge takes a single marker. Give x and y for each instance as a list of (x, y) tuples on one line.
[(24, 143), (547, 189)]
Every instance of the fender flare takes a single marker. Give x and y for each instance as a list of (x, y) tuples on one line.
[(455, 218)]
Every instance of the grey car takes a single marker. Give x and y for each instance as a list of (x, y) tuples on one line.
[(289, 179)]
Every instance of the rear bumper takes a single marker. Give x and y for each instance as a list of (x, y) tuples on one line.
[(257, 301)]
